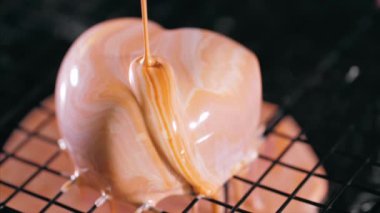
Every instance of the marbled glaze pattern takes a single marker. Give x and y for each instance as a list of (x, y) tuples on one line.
[(144, 134)]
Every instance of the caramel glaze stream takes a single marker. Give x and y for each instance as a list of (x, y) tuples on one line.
[(159, 88), (157, 91), (158, 85), (144, 14)]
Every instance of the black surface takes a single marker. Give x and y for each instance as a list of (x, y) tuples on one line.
[(306, 49)]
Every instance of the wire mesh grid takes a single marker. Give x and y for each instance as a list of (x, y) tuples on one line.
[(43, 135)]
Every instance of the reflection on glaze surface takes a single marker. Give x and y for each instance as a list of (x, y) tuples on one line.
[(74, 76), (202, 118), (187, 123)]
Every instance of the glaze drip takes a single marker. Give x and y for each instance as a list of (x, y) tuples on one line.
[(156, 89)]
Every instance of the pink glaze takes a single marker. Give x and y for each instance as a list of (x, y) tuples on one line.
[(211, 99)]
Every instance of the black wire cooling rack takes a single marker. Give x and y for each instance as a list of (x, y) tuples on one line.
[(353, 175), (30, 133)]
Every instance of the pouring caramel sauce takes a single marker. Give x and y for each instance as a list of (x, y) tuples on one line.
[(159, 86)]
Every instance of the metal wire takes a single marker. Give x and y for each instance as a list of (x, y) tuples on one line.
[(253, 185)]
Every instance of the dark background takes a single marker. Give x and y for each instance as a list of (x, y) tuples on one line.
[(305, 47)]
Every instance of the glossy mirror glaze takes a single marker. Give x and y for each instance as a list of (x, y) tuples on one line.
[(143, 134)]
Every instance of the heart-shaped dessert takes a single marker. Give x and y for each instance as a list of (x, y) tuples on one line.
[(188, 122)]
